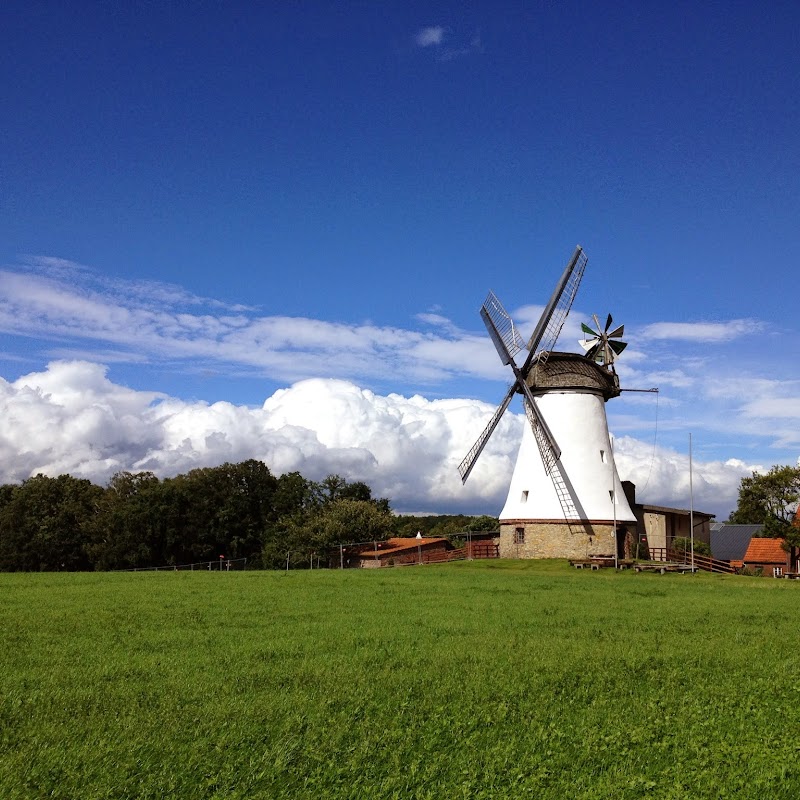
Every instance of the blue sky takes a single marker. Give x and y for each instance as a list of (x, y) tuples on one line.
[(205, 207)]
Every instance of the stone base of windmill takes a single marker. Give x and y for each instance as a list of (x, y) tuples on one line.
[(557, 539)]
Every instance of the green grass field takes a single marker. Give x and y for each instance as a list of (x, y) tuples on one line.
[(471, 680)]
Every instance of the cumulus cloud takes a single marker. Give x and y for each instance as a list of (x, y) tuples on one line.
[(71, 418), (661, 476)]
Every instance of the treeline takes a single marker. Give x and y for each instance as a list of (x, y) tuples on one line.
[(236, 510), (443, 524)]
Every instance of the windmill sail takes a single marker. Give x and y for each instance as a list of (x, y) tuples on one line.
[(508, 343), (555, 313), (498, 322), (465, 467), (544, 438)]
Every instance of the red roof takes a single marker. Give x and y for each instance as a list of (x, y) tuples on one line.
[(765, 551), (396, 545)]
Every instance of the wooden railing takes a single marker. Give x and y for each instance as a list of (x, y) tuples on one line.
[(706, 563)]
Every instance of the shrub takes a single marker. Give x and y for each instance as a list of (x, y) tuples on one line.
[(684, 544)]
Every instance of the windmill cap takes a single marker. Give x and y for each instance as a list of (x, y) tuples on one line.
[(572, 371)]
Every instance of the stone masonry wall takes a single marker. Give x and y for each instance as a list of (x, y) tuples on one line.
[(556, 540)]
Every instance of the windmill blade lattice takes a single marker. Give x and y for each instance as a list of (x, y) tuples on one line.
[(603, 345), (465, 467), (508, 343), (500, 325), (555, 322)]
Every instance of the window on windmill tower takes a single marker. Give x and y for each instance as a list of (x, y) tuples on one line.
[(603, 456), (524, 497), (519, 535)]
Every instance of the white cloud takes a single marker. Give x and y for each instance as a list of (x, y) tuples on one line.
[(702, 331), (458, 44), (773, 407), (661, 476), (70, 418), (737, 403), (427, 37), (164, 324)]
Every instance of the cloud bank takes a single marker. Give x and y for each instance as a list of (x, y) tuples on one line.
[(71, 418)]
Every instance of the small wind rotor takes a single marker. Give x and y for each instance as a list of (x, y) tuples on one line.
[(602, 345)]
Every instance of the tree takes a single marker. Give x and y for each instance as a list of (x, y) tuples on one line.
[(128, 530), (227, 510), (770, 500), (293, 493), (443, 524), (344, 521), (318, 530), (45, 524)]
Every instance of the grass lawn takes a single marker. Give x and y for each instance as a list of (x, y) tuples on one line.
[(471, 680)]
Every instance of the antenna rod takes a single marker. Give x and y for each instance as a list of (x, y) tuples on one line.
[(691, 502), (654, 389)]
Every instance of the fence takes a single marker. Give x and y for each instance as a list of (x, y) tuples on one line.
[(706, 563), (220, 565)]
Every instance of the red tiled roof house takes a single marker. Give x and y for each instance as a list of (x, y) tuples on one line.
[(767, 555), (396, 551)]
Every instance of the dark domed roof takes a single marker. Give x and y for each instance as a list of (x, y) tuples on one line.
[(571, 371)]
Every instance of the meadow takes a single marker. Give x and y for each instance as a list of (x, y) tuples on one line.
[(473, 680)]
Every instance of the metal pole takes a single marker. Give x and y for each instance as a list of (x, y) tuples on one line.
[(691, 503), (614, 502)]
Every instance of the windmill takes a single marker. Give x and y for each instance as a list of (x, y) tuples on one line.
[(565, 498)]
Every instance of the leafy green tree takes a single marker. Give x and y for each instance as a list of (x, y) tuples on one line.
[(319, 530), (484, 523), (443, 524), (128, 530), (227, 509), (45, 524), (770, 500), (335, 487), (330, 488), (344, 521), (293, 493)]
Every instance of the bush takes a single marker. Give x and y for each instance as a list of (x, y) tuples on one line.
[(684, 544)]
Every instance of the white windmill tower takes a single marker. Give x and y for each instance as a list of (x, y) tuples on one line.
[(565, 499)]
